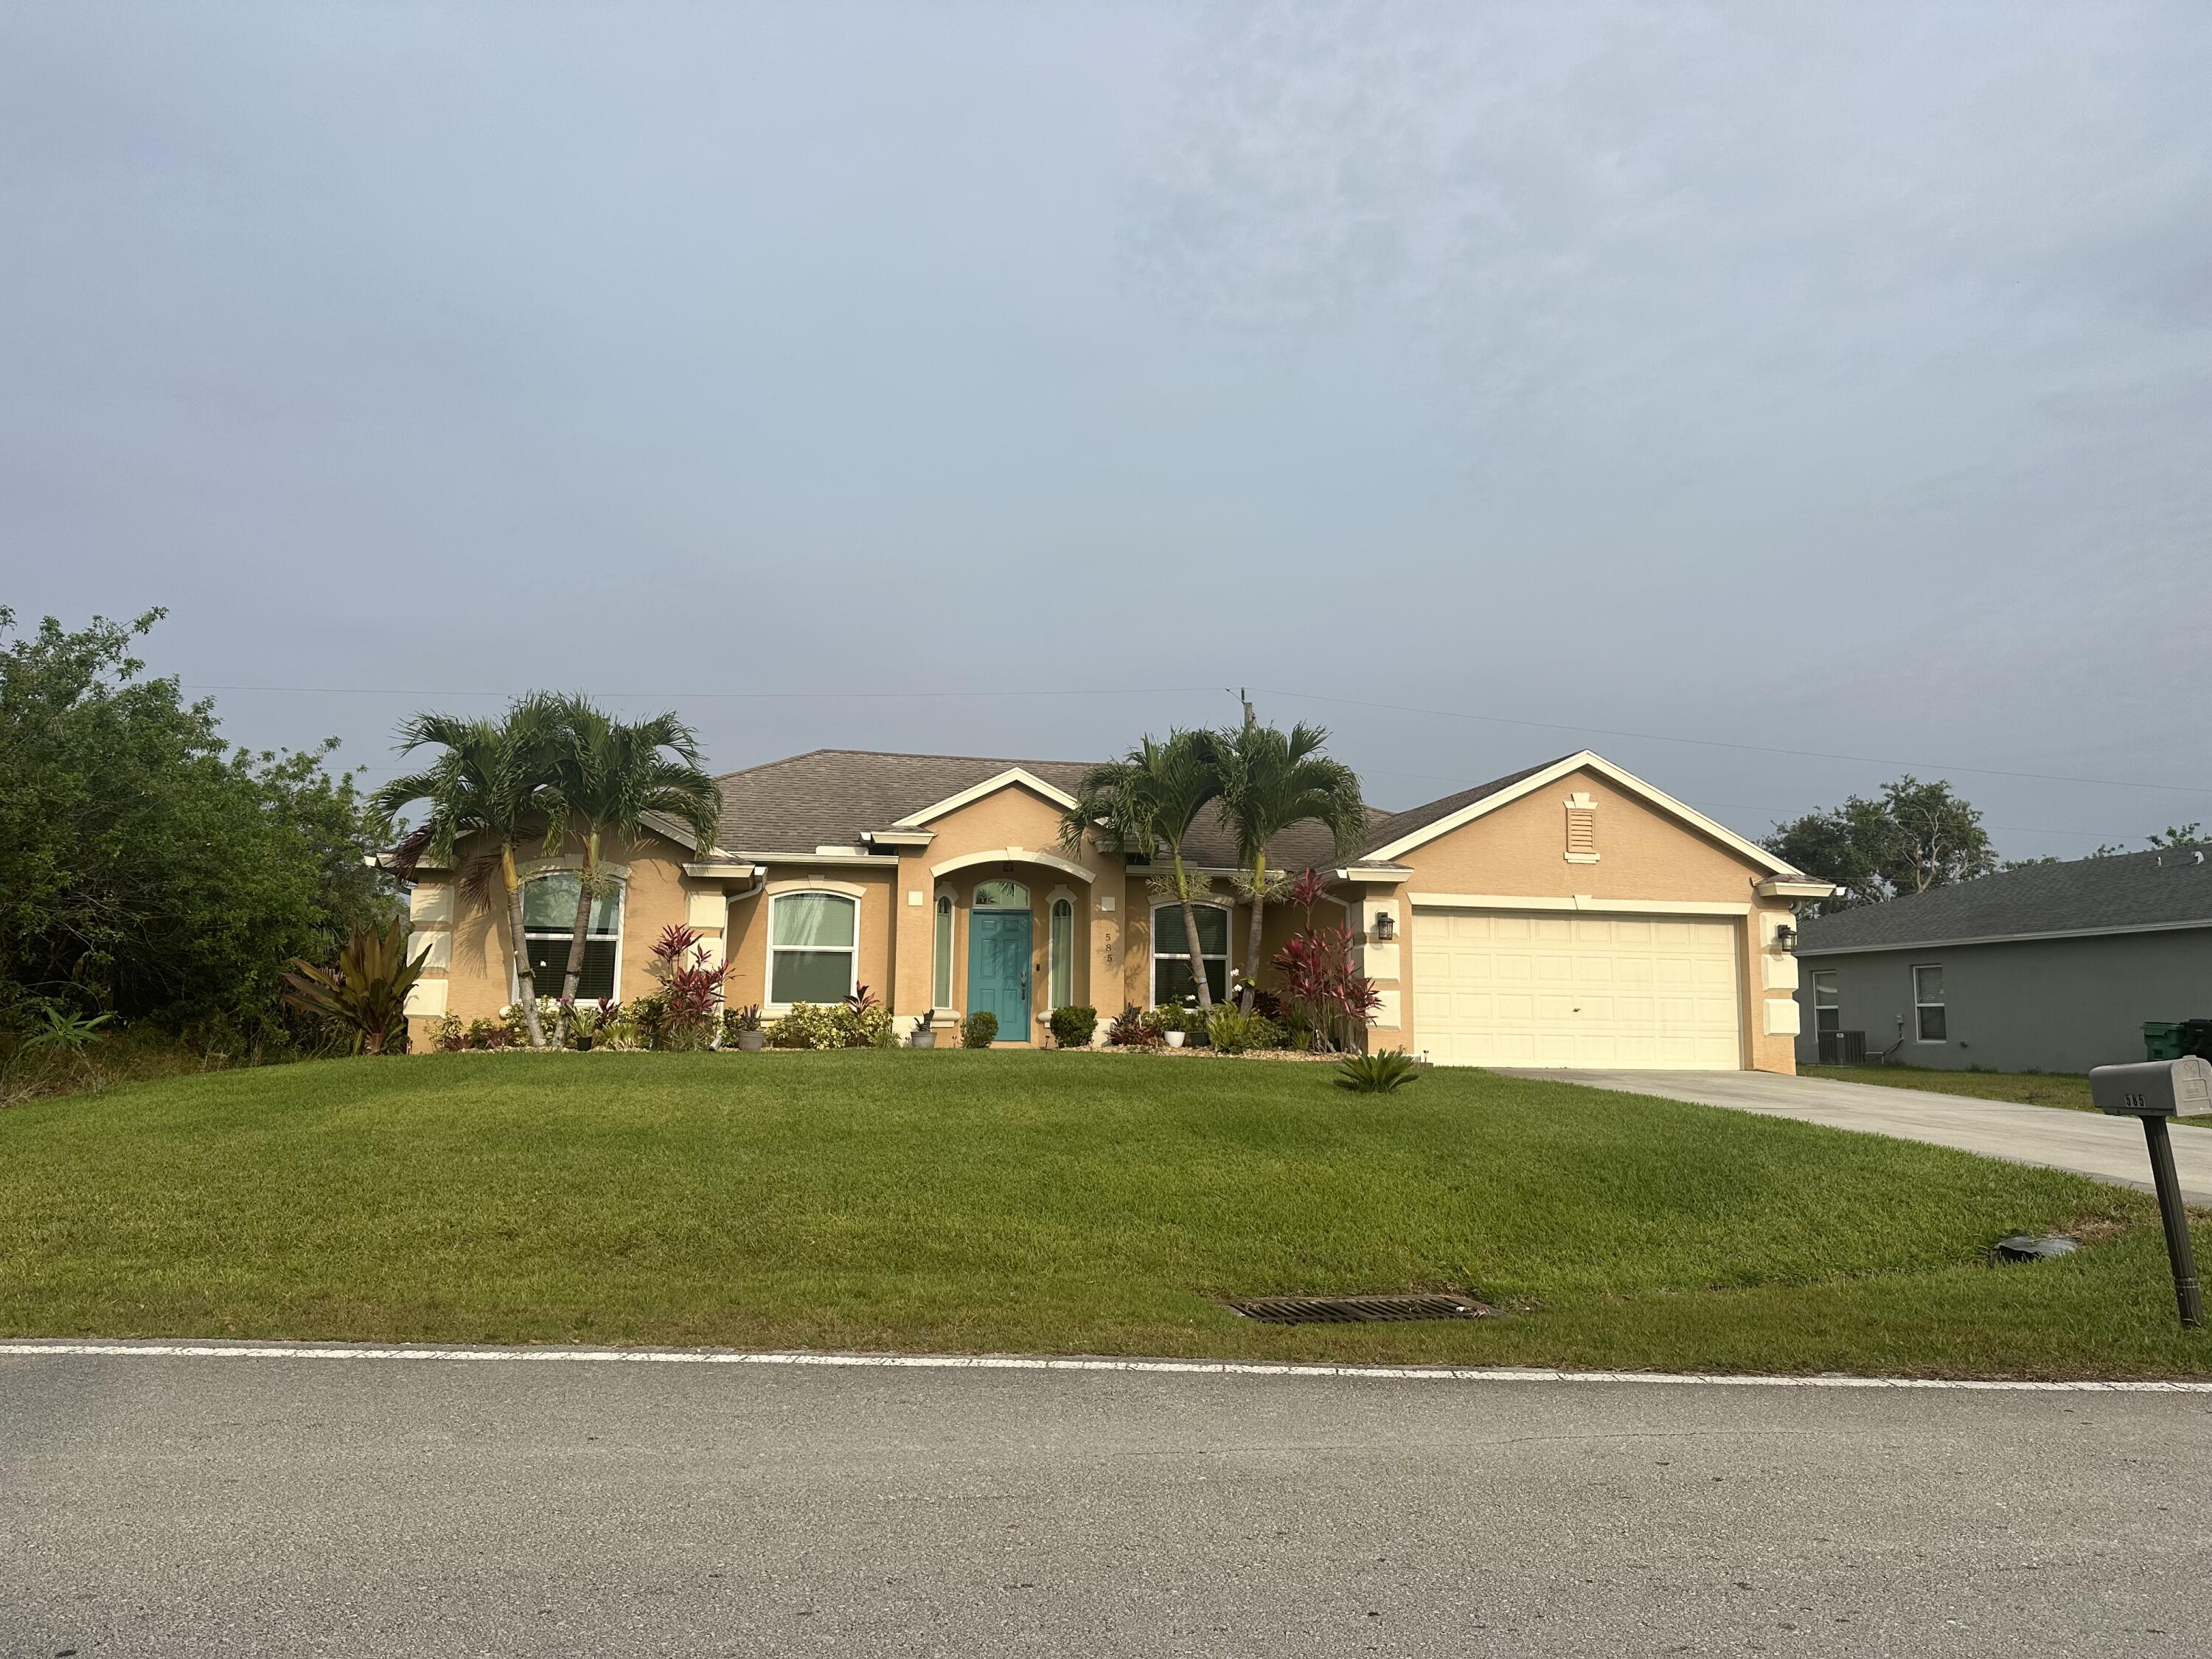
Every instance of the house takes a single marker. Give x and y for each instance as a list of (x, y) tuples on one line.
[(1568, 915), (2047, 968)]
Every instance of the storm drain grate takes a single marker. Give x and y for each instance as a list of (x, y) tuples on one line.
[(1357, 1309)]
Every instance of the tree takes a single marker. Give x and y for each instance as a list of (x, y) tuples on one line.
[(1269, 781), (1147, 800), (147, 869), (609, 776), (1916, 836), (495, 779)]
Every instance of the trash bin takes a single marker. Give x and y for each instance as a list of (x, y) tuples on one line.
[(2196, 1038), (2161, 1040)]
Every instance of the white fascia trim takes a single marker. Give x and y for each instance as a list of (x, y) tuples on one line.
[(1580, 901), (1798, 887), (675, 831), (1013, 855), (2001, 939), (720, 871), (1387, 875), (1605, 769), (822, 860), (898, 837), (1011, 776)]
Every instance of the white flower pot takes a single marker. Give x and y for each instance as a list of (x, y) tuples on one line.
[(1174, 1038)]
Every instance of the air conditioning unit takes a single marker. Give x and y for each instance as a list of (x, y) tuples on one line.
[(1843, 1047)]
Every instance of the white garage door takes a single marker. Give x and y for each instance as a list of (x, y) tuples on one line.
[(1503, 988)]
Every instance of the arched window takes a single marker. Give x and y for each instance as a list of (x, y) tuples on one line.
[(1060, 975), (1001, 896), (549, 923), (941, 987), (1171, 976), (813, 948)]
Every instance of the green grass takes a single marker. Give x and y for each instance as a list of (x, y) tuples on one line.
[(1045, 1202), (2064, 1089)]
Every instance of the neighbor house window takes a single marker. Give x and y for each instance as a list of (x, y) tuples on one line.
[(549, 924), (1928, 1002), (1060, 979), (941, 986), (1171, 976), (811, 948), (1827, 1002)]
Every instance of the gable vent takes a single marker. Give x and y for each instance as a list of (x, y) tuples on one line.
[(1582, 830)]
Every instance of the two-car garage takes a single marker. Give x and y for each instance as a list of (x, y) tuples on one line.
[(1543, 988)]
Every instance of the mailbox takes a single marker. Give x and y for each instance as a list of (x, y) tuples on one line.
[(2155, 1088)]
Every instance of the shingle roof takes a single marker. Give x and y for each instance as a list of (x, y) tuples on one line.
[(828, 797), (1384, 831), (2132, 889)]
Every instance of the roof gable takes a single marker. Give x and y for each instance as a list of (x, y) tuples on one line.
[(1014, 777), (1402, 833)]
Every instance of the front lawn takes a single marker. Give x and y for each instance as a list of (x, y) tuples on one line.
[(1045, 1203), (2065, 1089)]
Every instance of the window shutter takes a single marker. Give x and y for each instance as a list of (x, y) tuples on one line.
[(1582, 830)]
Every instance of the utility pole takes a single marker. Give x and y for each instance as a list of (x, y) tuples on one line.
[(1251, 718)]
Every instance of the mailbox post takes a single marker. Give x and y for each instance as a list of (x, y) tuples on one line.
[(2156, 1090)]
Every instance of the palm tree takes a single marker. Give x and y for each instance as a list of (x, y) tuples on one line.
[(1268, 780), (1147, 800), (609, 776), (493, 780)]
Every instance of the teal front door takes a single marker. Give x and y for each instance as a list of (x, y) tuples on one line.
[(999, 969)]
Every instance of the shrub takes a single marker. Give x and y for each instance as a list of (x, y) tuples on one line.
[(1073, 1025), (1323, 986), (451, 1037), (363, 1000), (690, 987), (588, 1022), (856, 1022), (981, 1029), (488, 1034), (518, 1029), (1132, 1028), (1234, 1032), (1375, 1074)]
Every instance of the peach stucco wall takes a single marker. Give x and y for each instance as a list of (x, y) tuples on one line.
[(1644, 855)]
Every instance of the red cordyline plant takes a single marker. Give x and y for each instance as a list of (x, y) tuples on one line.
[(1321, 974), (682, 965)]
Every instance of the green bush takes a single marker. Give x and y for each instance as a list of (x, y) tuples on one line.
[(981, 1029), (1072, 1026), (1234, 1032), (837, 1025), (1375, 1074)]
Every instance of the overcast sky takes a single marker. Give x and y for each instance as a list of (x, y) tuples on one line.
[(1728, 388)]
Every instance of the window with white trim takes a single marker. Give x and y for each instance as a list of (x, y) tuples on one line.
[(549, 924), (1928, 1012), (1828, 1003), (813, 948), (1060, 960), (1172, 980), (941, 981)]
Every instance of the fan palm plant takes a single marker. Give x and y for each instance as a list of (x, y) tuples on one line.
[(610, 775), (1268, 780), (1147, 800), (492, 781)]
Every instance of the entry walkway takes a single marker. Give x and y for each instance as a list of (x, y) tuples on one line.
[(2103, 1148)]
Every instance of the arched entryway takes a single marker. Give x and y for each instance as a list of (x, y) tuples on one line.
[(1001, 945)]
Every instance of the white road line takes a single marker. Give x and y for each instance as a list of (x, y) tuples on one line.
[(1039, 1363)]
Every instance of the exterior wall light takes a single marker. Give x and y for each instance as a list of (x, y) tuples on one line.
[(1785, 938), (1385, 926)]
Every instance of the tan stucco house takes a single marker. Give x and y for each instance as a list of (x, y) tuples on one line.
[(1569, 914)]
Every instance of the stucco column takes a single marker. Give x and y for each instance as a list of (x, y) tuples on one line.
[(913, 923)]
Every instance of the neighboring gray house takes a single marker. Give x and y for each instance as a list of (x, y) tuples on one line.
[(2049, 968)]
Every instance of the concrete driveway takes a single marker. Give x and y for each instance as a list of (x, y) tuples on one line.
[(459, 1506), (2103, 1148)]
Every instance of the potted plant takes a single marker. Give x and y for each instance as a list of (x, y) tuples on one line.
[(1175, 1023), (925, 1034), (742, 1026)]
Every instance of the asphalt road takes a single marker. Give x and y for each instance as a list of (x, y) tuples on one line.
[(2103, 1148), (461, 1507)]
